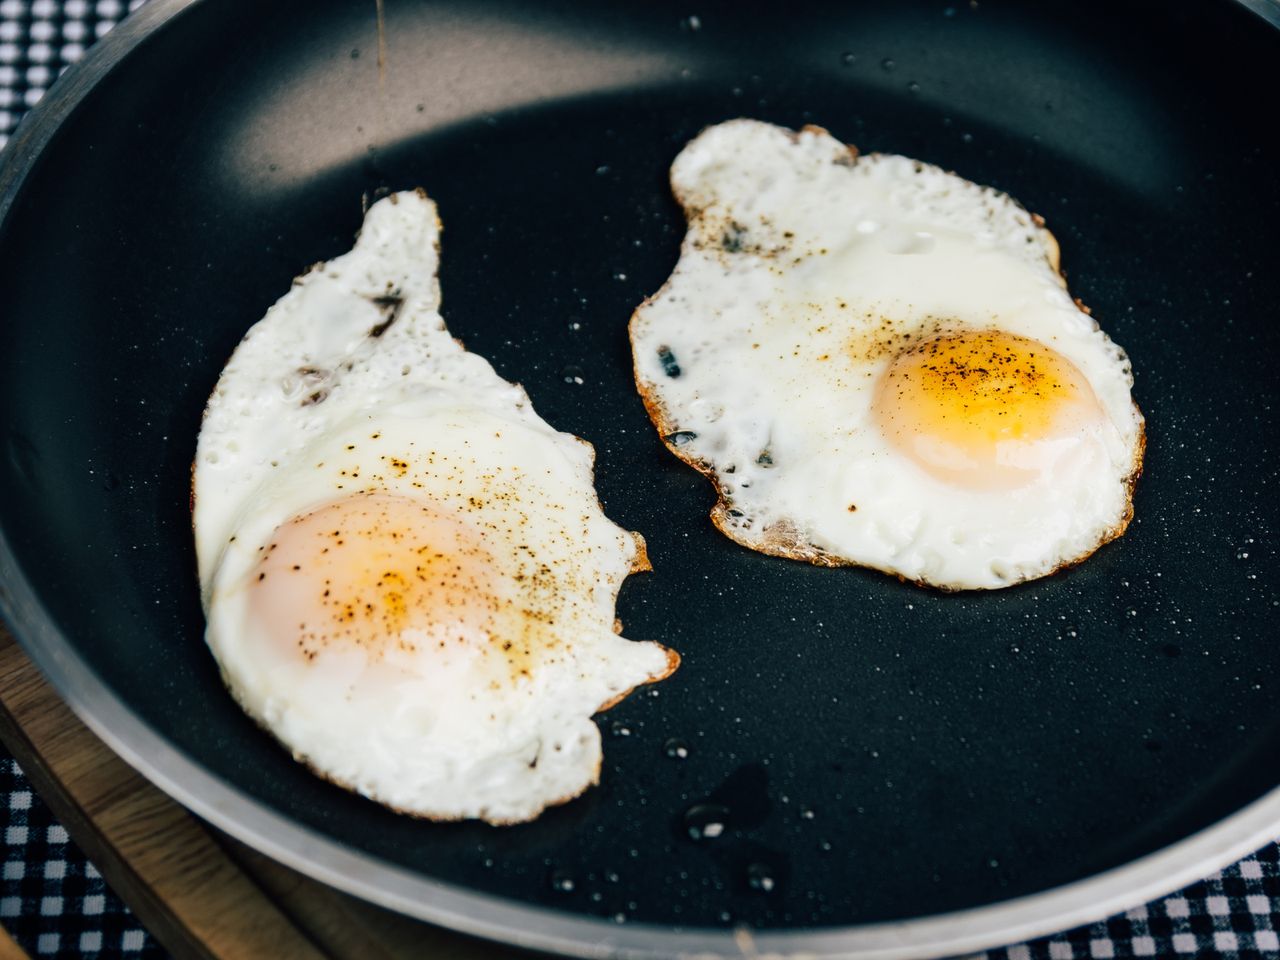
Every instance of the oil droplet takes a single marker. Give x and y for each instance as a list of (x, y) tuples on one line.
[(706, 821), (807, 813), (848, 59), (562, 881), (913, 87), (760, 877), (692, 23), (1014, 649), (573, 375), (966, 137), (676, 749), (619, 729), (887, 64)]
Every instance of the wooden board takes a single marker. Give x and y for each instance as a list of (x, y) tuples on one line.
[(10, 950), (201, 893)]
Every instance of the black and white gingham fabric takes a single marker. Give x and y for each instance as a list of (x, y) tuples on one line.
[(55, 903), (38, 40), (1234, 913)]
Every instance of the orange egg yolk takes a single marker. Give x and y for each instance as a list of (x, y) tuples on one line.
[(985, 409), (376, 572)]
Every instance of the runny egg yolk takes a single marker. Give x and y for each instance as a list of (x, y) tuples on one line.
[(985, 409), (383, 573)]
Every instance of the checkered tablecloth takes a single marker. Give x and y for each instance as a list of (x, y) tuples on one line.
[(52, 900), (55, 904), (41, 38)]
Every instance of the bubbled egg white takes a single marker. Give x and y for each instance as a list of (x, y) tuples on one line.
[(878, 363), (407, 575)]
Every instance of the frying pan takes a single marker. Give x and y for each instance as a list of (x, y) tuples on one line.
[(912, 773)]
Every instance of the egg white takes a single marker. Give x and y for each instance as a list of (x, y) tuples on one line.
[(351, 391), (805, 271)]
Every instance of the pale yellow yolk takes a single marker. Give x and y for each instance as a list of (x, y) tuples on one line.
[(984, 409), (382, 573)]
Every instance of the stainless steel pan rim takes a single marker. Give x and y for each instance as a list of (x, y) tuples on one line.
[(240, 815)]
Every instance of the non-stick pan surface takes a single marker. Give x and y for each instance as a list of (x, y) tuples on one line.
[(885, 753)]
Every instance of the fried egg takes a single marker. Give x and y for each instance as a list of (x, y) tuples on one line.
[(407, 575), (878, 363)]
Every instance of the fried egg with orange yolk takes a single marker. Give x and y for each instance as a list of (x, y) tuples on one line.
[(407, 575), (878, 363)]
